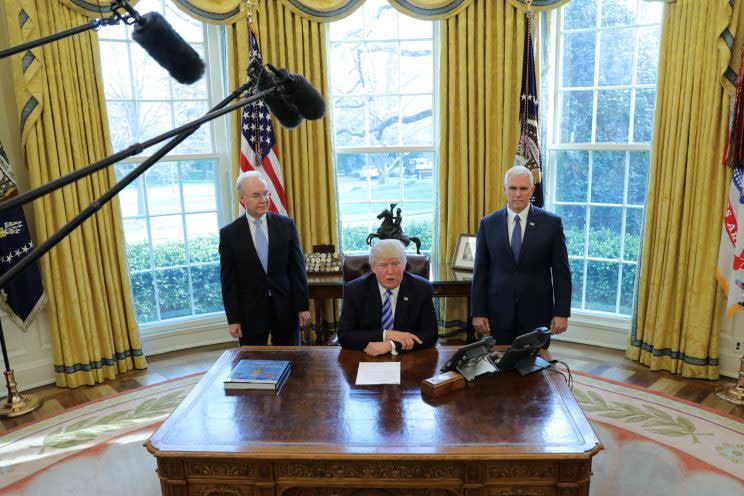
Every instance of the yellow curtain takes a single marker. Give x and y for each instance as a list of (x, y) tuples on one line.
[(678, 308), (63, 127), (290, 41)]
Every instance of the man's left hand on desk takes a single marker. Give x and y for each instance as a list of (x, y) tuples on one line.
[(377, 348)]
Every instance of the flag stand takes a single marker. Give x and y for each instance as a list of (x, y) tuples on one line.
[(735, 395), (15, 404)]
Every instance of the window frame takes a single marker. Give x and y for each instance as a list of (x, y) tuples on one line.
[(372, 149)]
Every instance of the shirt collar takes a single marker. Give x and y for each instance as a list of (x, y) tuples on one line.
[(383, 290), (252, 220), (522, 215)]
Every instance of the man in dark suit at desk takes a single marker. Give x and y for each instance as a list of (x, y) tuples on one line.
[(389, 310), (262, 270), (521, 278)]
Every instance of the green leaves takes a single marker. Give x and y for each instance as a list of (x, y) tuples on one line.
[(652, 419), (87, 430)]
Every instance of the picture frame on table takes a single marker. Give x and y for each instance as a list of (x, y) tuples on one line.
[(464, 257)]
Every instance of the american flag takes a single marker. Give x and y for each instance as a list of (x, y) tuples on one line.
[(258, 143), (528, 148), (23, 296)]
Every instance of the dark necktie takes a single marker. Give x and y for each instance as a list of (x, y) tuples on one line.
[(262, 246), (516, 241), (387, 312)]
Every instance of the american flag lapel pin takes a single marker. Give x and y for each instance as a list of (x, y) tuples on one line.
[(405, 298), (532, 224)]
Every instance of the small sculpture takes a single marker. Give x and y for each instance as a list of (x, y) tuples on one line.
[(390, 228)]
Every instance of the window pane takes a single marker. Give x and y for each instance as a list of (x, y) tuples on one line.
[(143, 297), (418, 180), (576, 117), (578, 58), (138, 245), (200, 229), (131, 198), (352, 27), (115, 64), (380, 65), (201, 140), (163, 188), (574, 224), (173, 293), (572, 175), (618, 12), (198, 179), (613, 116), (153, 118), (150, 81), (648, 54), (632, 241), (167, 240), (577, 281), (643, 121), (416, 67), (414, 28), (416, 116), (380, 19), (627, 288), (638, 178), (123, 124), (207, 290), (384, 128), (579, 14), (604, 231), (348, 121), (601, 286), (346, 75), (616, 57), (608, 177)]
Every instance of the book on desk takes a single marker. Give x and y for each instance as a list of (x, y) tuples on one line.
[(258, 374)]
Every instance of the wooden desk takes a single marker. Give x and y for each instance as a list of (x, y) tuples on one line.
[(322, 435), (445, 282)]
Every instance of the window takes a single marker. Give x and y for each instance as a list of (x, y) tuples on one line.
[(604, 89), (171, 213), (381, 72)]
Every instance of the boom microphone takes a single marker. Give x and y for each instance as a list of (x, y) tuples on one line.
[(298, 93), (153, 33), (284, 113)]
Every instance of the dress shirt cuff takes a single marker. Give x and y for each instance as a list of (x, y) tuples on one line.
[(393, 351)]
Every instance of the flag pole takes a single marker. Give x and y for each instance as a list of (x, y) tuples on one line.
[(15, 404)]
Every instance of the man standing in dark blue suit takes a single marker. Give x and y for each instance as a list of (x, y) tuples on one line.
[(262, 271), (521, 278), (389, 310)]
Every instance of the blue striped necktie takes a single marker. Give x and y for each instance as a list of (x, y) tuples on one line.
[(387, 312), (516, 241), (262, 246)]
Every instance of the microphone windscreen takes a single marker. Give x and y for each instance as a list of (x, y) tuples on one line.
[(284, 113), (168, 48), (301, 95)]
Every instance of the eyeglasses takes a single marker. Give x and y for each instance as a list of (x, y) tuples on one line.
[(257, 196)]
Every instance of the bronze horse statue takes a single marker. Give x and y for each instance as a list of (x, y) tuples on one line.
[(390, 229)]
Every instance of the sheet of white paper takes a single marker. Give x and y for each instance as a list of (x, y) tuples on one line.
[(378, 373)]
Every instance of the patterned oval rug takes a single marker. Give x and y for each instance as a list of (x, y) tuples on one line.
[(654, 444)]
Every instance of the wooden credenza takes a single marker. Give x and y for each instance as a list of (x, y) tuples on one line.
[(322, 435)]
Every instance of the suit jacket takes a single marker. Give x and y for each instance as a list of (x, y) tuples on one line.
[(538, 284), (361, 313), (245, 284)]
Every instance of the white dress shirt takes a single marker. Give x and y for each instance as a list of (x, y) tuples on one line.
[(264, 227), (522, 220)]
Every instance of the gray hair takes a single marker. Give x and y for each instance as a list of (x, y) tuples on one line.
[(388, 248), (245, 175), (518, 170)]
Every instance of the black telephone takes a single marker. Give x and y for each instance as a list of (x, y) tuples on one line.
[(472, 359)]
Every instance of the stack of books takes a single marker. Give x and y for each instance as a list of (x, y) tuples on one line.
[(258, 374)]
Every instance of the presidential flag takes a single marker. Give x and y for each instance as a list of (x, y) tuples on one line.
[(23, 296), (258, 143), (528, 148)]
